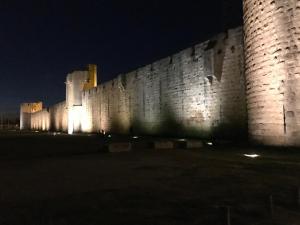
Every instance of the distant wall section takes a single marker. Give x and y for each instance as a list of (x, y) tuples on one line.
[(53, 118), (41, 120), (26, 109)]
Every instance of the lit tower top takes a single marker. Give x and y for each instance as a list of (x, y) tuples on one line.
[(79, 81), (92, 79)]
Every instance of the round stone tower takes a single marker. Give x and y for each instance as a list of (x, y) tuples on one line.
[(272, 57)]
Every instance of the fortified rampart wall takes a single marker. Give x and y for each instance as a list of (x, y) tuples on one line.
[(41, 120), (26, 109), (203, 91), (196, 92), (52, 118), (59, 117)]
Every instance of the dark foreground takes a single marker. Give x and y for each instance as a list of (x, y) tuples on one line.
[(47, 180)]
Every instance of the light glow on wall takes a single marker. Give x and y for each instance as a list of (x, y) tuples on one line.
[(87, 123), (75, 119), (70, 122)]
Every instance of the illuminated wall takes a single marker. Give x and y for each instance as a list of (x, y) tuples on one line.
[(208, 90), (52, 118), (59, 117), (26, 109), (75, 84), (272, 41), (196, 92), (40, 120)]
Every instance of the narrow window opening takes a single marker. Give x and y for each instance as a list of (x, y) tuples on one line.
[(284, 120)]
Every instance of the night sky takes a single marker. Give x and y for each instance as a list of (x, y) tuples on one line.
[(41, 41)]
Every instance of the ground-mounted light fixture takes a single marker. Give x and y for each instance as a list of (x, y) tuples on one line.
[(253, 156)]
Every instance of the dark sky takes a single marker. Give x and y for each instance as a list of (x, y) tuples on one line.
[(41, 41)]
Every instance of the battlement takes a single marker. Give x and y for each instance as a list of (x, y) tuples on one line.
[(31, 107)]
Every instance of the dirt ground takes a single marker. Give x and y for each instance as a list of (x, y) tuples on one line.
[(48, 179)]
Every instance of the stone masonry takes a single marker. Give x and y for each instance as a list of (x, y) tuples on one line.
[(197, 92), (272, 41)]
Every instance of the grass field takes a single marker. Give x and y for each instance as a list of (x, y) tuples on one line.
[(47, 179)]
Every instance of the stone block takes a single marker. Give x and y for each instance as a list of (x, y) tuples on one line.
[(194, 144), (119, 147), (164, 145)]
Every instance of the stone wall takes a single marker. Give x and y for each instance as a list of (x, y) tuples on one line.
[(59, 117), (201, 91), (26, 109), (41, 120), (25, 121), (196, 92), (272, 57), (52, 118)]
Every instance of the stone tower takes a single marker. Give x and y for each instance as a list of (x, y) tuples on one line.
[(272, 57), (76, 83), (26, 110)]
